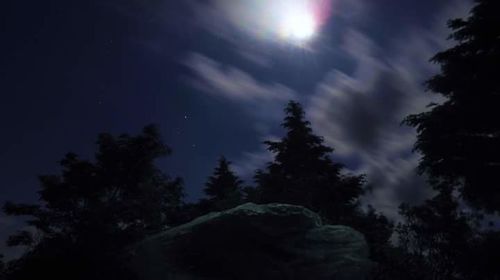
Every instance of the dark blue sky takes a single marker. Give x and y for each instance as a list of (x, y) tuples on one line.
[(214, 83)]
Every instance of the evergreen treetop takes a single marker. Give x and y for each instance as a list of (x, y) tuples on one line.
[(223, 188), (303, 173)]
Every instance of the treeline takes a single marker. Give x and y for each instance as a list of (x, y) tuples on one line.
[(93, 210)]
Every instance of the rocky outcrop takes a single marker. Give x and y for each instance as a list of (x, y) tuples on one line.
[(273, 241)]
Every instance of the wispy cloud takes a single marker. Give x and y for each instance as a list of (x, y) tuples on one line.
[(262, 101), (232, 83), (248, 162)]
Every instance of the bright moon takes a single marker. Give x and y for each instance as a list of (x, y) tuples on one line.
[(298, 25), (297, 21)]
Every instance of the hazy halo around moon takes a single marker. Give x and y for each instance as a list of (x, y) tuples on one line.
[(284, 21)]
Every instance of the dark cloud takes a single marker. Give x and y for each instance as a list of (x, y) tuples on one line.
[(360, 114), (367, 116)]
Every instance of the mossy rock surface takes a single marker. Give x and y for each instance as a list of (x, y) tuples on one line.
[(272, 241)]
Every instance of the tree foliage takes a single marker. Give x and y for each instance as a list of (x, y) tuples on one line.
[(303, 173), (460, 138), (89, 212), (223, 188), (438, 234)]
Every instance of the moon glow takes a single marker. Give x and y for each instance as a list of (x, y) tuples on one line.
[(295, 22), (298, 24)]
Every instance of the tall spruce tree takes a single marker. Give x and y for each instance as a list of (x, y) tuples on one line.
[(460, 138), (223, 188), (303, 173)]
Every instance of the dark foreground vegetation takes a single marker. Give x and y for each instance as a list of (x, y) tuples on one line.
[(94, 209)]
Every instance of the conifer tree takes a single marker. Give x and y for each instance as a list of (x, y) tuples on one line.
[(303, 173), (91, 211), (460, 138), (223, 188)]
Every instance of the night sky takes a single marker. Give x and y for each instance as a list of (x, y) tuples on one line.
[(214, 75)]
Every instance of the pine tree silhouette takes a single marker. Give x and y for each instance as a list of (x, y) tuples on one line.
[(460, 138), (303, 173), (223, 188)]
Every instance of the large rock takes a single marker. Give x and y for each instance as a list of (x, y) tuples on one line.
[(274, 241)]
